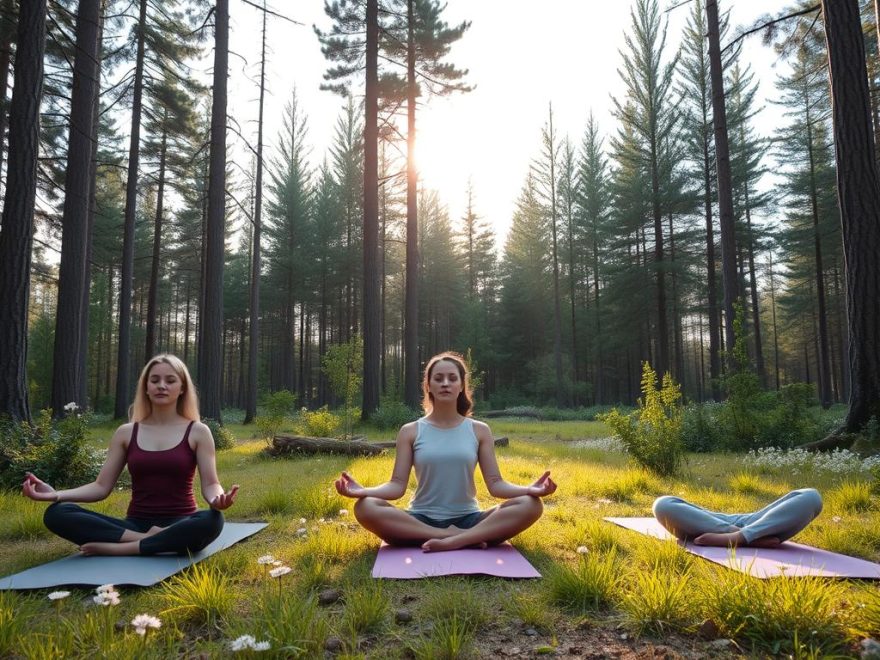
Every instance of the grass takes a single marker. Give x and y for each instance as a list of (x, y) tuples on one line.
[(652, 587)]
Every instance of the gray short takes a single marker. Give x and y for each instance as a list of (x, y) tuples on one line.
[(466, 521)]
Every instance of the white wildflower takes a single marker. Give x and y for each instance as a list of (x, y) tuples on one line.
[(71, 407), (58, 595), (242, 643), (321, 520), (302, 531), (106, 598), (343, 512), (265, 559), (105, 588), (302, 521), (836, 519), (278, 572), (261, 646), (582, 550), (143, 621)]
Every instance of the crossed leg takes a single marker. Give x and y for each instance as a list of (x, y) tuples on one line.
[(395, 526), (499, 524)]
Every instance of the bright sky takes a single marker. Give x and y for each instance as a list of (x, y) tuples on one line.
[(521, 56)]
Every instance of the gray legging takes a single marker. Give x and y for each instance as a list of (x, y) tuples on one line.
[(783, 518)]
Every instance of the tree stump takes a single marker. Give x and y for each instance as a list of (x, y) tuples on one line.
[(283, 445)]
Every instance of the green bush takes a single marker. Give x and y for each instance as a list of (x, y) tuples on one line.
[(793, 419), (55, 450), (278, 408), (319, 423), (700, 431), (652, 434), (223, 437), (392, 414)]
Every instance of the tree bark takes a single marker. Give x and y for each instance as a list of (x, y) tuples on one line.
[(123, 357), (16, 235), (371, 216), (211, 350), (67, 375), (722, 165), (858, 192), (256, 265), (152, 294), (411, 320)]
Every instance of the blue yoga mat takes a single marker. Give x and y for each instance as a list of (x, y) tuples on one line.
[(139, 571)]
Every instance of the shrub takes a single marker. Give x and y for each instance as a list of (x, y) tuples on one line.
[(223, 437), (699, 427), (54, 450), (652, 434), (319, 423), (278, 408), (392, 414), (792, 420), (343, 365)]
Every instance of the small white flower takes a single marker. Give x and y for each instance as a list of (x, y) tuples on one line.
[(143, 621), (302, 531), (242, 643), (278, 572), (277, 562), (582, 550), (106, 598), (836, 519), (58, 595), (105, 588), (343, 512), (321, 520), (265, 559), (302, 521), (71, 407), (261, 646)]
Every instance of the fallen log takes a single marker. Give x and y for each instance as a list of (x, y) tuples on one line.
[(499, 442), (491, 414), (283, 445)]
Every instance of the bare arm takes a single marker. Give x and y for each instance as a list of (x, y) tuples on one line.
[(95, 491), (495, 483), (206, 456), (394, 488)]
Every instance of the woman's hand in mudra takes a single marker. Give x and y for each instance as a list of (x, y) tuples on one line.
[(37, 489), (224, 500), (348, 487), (543, 486)]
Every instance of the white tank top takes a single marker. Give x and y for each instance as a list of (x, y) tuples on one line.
[(444, 460)]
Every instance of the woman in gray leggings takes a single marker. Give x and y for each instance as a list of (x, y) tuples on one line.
[(767, 528)]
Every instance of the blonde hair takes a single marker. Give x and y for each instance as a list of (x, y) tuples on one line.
[(464, 403), (187, 403)]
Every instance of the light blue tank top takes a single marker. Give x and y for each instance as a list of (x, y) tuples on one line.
[(444, 460)]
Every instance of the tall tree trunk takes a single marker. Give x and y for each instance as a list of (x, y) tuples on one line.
[(17, 228), (858, 191), (824, 375), (67, 376), (722, 165), (411, 319), (211, 350), (557, 306), (152, 294), (256, 265), (5, 58), (371, 216), (123, 357)]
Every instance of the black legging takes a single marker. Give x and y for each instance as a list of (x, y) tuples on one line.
[(182, 534)]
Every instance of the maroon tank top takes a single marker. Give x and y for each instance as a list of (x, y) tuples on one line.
[(161, 481)]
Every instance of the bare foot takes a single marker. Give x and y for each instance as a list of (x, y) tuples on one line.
[(766, 542), (727, 540), (450, 543), (153, 531), (127, 548)]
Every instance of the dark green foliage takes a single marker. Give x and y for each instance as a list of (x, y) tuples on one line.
[(223, 437), (56, 451), (393, 414)]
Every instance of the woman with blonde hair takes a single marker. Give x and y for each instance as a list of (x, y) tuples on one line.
[(162, 445), (445, 447)]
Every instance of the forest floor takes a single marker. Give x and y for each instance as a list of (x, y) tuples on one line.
[(606, 591)]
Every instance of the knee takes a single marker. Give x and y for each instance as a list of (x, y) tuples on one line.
[(366, 508), (812, 499), (663, 505), (55, 514), (531, 504)]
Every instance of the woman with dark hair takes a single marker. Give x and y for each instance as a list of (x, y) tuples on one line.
[(162, 445), (445, 446)]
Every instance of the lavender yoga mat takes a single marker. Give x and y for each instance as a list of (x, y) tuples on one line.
[(410, 563), (791, 559)]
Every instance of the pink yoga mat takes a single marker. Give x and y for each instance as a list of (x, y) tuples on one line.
[(410, 563), (792, 559)]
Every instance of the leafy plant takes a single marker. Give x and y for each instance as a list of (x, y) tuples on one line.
[(588, 586), (652, 434), (319, 423), (392, 414), (223, 437), (343, 365), (201, 594), (278, 407)]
